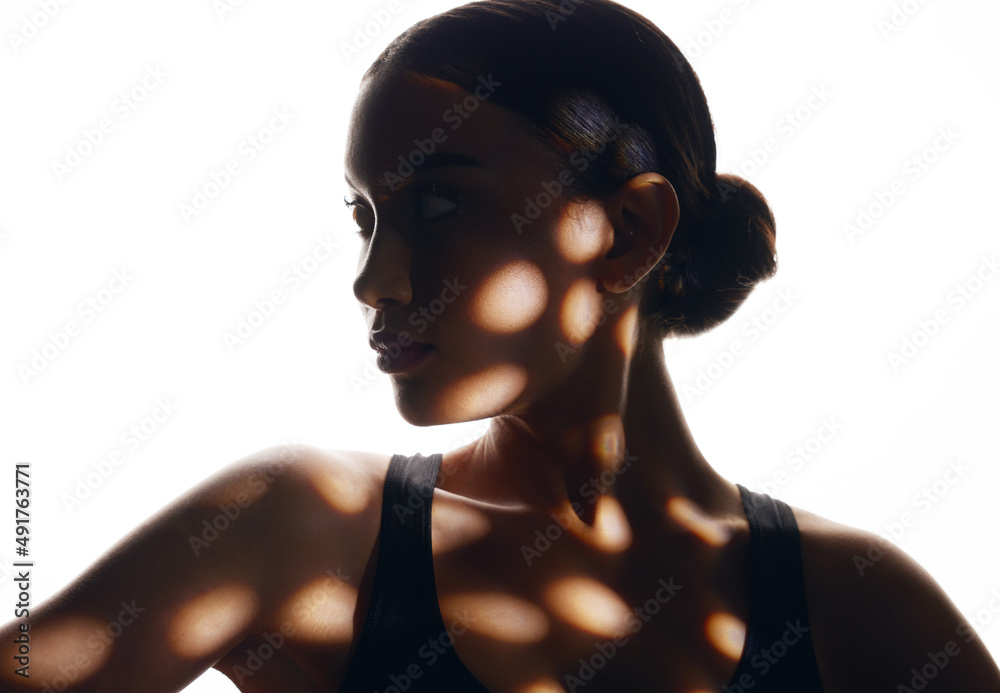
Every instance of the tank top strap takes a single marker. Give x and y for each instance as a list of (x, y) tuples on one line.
[(404, 638), (778, 653), (404, 578)]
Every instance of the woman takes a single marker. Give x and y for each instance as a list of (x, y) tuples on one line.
[(534, 183)]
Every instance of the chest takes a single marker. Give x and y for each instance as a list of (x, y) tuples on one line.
[(531, 607), (542, 610)]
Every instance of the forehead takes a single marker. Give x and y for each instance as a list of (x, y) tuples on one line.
[(406, 118)]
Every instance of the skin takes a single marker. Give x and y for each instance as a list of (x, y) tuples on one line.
[(297, 559)]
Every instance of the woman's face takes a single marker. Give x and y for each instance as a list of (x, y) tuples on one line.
[(479, 280)]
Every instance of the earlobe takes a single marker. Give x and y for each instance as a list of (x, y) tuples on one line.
[(644, 213)]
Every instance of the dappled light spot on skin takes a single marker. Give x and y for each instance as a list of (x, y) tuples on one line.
[(206, 622), (609, 440), (511, 299), (589, 605), (70, 649), (322, 611), (542, 686), (499, 616), (580, 310), (490, 390), (612, 532), (726, 633), (344, 492), (690, 516), (578, 236), (460, 525), (625, 330)]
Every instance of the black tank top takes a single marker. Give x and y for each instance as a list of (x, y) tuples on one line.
[(406, 646)]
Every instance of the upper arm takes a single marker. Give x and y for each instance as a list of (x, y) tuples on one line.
[(168, 600), (879, 620)]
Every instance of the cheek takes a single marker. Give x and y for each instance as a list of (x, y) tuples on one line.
[(511, 298), (488, 392), (580, 312), (583, 232), (528, 278)]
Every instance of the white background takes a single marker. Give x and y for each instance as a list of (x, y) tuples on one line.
[(853, 301)]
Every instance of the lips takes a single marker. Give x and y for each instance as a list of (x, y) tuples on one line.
[(393, 357)]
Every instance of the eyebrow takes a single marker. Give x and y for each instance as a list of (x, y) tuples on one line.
[(430, 161)]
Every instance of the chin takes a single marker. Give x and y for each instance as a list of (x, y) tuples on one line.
[(419, 417), (436, 411), (416, 415), (492, 390), (419, 407)]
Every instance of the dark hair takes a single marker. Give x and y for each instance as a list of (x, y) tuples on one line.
[(594, 74)]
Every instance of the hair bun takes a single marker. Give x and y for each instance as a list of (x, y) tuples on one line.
[(719, 257)]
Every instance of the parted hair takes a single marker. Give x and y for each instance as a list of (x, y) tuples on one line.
[(594, 76)]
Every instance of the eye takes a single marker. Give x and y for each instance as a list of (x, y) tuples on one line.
[(363, 216), (431, 202)]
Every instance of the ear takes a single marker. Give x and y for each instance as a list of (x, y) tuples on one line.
[(644, 212)]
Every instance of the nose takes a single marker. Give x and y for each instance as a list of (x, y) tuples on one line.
[(384, 271)]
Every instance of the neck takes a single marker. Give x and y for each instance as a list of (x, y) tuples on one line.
[(614, 440)]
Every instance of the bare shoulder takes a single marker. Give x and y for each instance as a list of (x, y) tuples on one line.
[(348, 481), (319, 485), (204, 573), (308, 509), (880, 621), (297, 463), (271, 499)]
